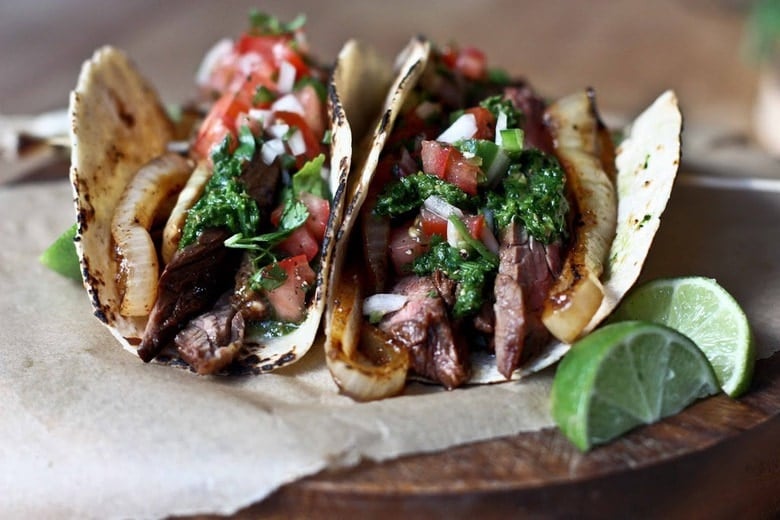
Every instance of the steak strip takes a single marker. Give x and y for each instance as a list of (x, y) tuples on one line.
[(199, 273), (424, 329)]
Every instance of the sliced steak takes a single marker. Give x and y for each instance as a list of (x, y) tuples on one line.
[(196, 275), (526, 273), (245, 299), (261, 182), (211, 341), (535, 130), (446, 287), (190, 283), (510, 326), (423, 327)]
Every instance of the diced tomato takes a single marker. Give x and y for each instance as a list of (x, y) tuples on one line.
[(296, 120), (404, 248), (486, 123), (475, 224), (319, 211), (436, 158), (471, 63), (463, 173), (274, 49), (432, 224), (300, 242), (313, 111), (219, 122), (289, 299)]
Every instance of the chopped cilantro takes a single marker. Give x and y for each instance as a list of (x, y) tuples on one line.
[(409, 192), (268, 278), (225, 202), (472, 273), (264, 24), (263, 95), (533, 193), (497, 104), (309, 179)]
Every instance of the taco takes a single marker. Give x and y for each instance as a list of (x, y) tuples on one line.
[(212, 252), (491, 229)]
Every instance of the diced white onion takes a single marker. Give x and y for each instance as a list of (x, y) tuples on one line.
[(288, 103), (260, 114), (271, 150), (296, 143), (441, 207), (278, 130), (286, 77), (465, 127), (383, 303), (500, 125), (488, 238), (219, 50), (454, 238)]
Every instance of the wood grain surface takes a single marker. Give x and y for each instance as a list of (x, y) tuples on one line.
[(717, 459)]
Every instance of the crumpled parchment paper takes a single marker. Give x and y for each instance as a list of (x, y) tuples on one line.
[(87, 430)]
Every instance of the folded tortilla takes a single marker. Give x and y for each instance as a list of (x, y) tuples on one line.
[(118, 125), (646, 164)]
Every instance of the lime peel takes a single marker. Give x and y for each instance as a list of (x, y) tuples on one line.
[(595, 398), (61, 256), (704, 311)]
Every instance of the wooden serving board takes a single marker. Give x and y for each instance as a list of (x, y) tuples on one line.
[(720, 458)]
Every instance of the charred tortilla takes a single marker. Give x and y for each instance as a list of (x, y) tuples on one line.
[(120, 132), (367, 363)]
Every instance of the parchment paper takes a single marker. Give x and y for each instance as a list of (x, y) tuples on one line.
[(87, 430)]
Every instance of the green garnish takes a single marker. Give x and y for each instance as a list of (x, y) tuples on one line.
[(309, 179), (409, 193), (319, 86), (533, 193), (263, 95), (264, 24), (497, 104), (471, 271), (225, 202), (268, 278)]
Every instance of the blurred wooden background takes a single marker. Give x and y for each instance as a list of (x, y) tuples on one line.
[(629, 50)]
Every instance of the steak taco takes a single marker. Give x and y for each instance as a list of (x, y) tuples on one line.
[(490, 228), (207, 243)]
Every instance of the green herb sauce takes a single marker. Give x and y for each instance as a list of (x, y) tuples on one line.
[(225, 202)]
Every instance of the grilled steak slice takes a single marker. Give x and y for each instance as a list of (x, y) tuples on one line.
[(510, 326), (423, 327), (211, 341), (244, 299), (527, 269), (535, 130), (196, 275), (261, 182), (190, 284)]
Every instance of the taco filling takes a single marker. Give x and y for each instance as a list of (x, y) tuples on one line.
[(487, 222), (236, 271)]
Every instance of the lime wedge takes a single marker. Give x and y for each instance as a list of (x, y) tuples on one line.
[(61, 256), (705, 312), (624, 375)]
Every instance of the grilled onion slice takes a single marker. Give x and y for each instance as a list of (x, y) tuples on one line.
[(187, 198), (578, 293), (379, 368), (155, 183)]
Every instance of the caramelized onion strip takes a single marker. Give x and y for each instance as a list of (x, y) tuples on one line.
[(578, 293), (151, 188), (378, 369)]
